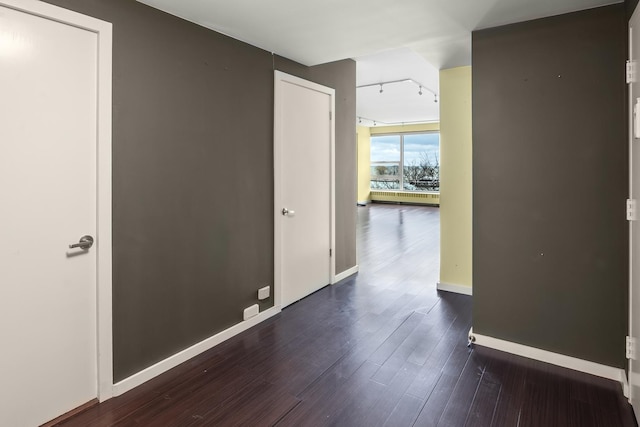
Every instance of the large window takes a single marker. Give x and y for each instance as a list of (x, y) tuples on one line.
[(409, 162)]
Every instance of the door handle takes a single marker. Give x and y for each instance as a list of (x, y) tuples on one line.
[(84, 243), (287, 212)]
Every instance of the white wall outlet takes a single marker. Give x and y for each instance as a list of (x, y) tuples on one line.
[(249, 312), (263, 293)]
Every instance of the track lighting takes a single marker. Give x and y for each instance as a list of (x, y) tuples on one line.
[(375, 122), (421, 86)]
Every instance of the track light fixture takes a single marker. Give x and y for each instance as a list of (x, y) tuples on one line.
[(420, 86), (373, 122)]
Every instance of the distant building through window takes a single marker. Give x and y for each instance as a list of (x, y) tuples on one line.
[(408, 161)]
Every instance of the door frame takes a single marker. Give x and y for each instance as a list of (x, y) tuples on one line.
[(631, 380), (281, 78), (103, 31)]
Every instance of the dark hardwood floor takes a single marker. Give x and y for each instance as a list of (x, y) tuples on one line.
[(382, 348)]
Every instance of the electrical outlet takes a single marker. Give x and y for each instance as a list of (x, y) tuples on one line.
[(250, 312), (263, 293)]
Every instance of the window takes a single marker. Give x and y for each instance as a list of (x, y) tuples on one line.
[(409, 161)]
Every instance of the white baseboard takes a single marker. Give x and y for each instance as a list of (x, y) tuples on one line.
[(625, 385), (186, 354), (609, 372), (458, 289), (353, 270)]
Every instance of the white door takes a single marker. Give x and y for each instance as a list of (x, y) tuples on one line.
[(634, 226), (303, 193), (48, 181)]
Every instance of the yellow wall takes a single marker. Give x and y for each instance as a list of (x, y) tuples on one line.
[(455, 177), (364, 162)]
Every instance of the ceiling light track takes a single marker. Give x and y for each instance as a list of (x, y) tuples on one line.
[(379, 122), (415, 82)]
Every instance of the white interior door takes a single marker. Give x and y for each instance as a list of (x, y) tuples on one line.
[(48, 181), (303, 195), (634, 226)]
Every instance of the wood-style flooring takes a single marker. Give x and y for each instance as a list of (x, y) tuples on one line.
[(381, 348)]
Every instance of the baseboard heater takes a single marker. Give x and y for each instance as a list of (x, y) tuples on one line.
[(427, 196)]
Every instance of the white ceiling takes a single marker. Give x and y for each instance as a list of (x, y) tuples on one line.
[(434, 33)]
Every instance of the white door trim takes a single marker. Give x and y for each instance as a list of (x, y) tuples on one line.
[(632, 379), (279, 79), (103, 30)]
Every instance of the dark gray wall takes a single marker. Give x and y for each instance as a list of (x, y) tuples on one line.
[(630, 6), (193, 178), (550, 183)]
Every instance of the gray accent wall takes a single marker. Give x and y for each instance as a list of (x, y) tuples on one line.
[(550, 179), (193, 177), (630, 7)]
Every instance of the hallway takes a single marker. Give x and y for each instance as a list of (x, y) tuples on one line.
[(382, 347)]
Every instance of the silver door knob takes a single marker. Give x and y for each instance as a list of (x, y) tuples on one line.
[(288, 212), (84, 243)]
